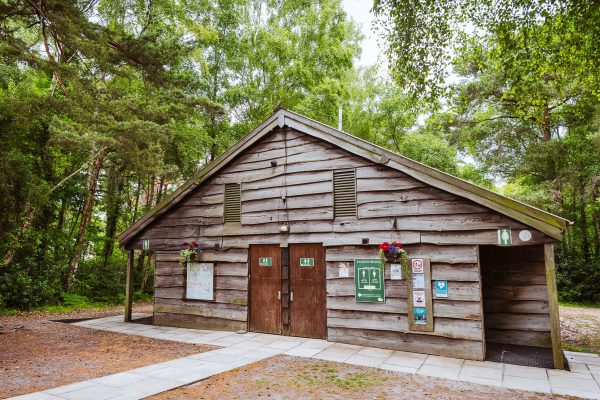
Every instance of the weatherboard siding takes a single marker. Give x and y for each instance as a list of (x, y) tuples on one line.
[(430, 222)]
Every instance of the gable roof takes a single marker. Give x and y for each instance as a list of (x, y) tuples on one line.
[(548, 223)]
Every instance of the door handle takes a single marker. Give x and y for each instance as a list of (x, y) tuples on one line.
[(291, 296), (279, 295)]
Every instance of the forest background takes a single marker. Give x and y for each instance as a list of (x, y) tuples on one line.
[(107, 106)]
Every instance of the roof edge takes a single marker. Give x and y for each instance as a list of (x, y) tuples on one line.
[(546, 222)]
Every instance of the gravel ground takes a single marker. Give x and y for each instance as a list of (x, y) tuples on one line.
[(37, 354), (580, 328), (284, 377)]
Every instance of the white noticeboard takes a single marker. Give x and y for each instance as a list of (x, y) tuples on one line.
[(200, 278)]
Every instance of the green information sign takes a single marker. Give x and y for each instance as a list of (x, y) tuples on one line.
[(265, 261), (307, 262), (504, 237), (368, 279)]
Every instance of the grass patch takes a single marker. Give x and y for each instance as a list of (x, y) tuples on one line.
[(71, 302), (579, 305), (321, 375), (576, 348)]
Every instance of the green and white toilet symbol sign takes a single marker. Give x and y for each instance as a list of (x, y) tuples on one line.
[(504, 237), (265, 261), (307, 262)]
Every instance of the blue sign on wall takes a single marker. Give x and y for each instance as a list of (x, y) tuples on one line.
[(441, 288)]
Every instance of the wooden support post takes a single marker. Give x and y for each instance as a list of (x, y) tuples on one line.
[(557, 353), (129, 285)]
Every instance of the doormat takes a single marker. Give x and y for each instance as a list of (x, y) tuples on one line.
[(519, 355)]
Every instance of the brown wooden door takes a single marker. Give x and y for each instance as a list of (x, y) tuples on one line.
[(265, 287), (308, 297)]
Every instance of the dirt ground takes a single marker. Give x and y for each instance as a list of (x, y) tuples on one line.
[(580, 328), (37, 354), (284, 377)]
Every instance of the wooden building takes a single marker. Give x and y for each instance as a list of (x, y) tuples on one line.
[(295, 190)]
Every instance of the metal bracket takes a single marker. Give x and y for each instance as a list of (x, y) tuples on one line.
[(291, 296), (279, 295)]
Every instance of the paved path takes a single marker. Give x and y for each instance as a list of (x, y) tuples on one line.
[(242, 349)]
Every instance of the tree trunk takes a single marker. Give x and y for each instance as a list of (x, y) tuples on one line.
[(546, 128), (137, 202), (25, 224), (161, 185), (86, 216), (113, 208), (146, 272)]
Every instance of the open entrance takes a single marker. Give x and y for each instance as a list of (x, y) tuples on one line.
[(265, 288), (308, 297), (515, 304)]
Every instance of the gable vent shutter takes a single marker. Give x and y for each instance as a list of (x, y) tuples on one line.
[(344, 193), (233, 202)]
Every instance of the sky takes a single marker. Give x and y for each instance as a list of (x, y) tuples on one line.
[(359, 11)]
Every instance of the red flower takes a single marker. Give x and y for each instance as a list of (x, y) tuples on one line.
[(399, 245), (195, 244)]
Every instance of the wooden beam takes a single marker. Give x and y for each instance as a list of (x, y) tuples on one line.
[(129, 285), (557, 353)]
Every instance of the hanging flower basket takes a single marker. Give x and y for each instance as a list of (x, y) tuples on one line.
[(188, 255), (393, 253)]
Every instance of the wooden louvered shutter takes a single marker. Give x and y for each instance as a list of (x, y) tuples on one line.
[(344, 193), (233, 203)]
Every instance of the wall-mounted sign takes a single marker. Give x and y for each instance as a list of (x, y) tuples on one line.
[(199, 281), (417, 266), (525, 235), (396, 272), (265, 261), (368, 280), (419, 281), (344, 270), (420, 314), (307, 262), (441, 288), (146, 244), (504, 237), (419, 298)]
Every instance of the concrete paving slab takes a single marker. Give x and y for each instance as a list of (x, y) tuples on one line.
[(409, 354), (366, 361), (69, 388), (481, 372), (565, 382), (316, 344), (95, 392), (447, 372), (525, 372), (398, 368), (375, 352), (577, 393), (152, 386), (302, 351), (480, 381), (37, 396), (569, 374), (121, 379), (530, 384), (404, 361), (444, 361)]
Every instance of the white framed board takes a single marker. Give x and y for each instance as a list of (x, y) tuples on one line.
[(200, 281)]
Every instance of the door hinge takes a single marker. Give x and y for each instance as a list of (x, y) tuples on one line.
[(279, 295), (291, 296)]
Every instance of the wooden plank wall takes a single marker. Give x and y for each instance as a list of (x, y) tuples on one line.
[(391, 206), (515, 298)]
